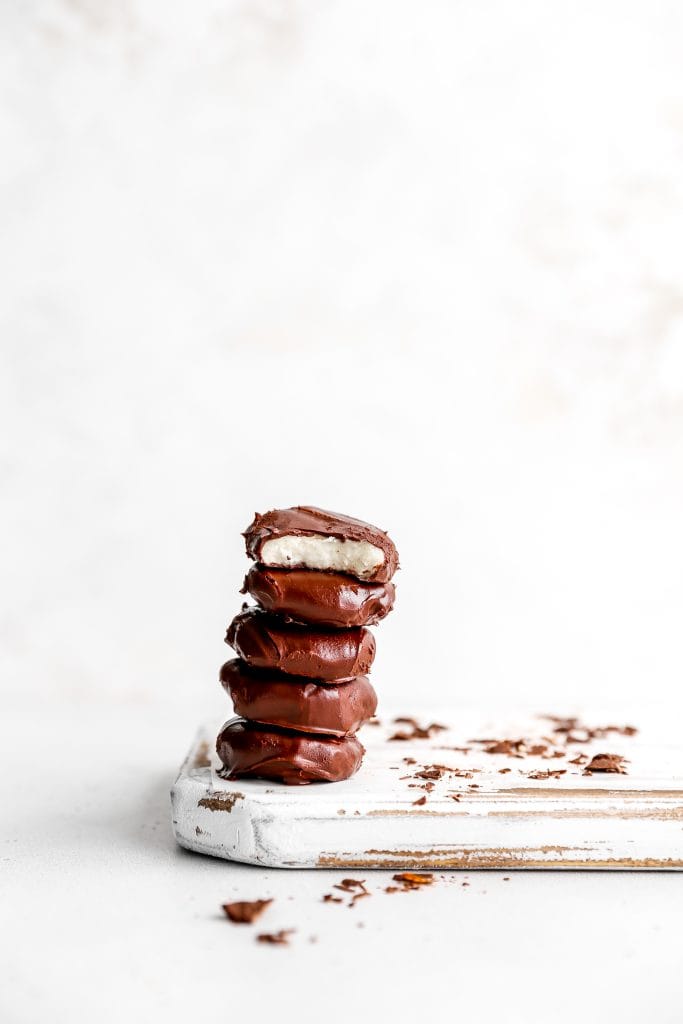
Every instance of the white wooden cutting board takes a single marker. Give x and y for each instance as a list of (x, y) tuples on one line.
[(501, 818)]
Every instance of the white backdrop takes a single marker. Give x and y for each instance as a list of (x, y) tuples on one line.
[(419, 263)]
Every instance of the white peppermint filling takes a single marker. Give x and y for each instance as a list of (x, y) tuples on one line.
[(358, 557)]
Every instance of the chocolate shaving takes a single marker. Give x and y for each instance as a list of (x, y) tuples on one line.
[(280, 938), (417, 732), (614, 763), (577, 732), (413, 879), (330, 898), (245, 911), (420, 801), (547, 774), (351, 885), (513, 748)]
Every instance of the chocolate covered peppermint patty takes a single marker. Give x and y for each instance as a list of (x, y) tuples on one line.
[(247, 749), (322, 598), (291, 702), (267, 642), (306, 537)]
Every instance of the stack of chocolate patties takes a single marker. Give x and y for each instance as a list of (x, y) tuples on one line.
[(300, 683)]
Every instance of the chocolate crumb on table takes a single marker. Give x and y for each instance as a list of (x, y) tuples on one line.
[(245, 911), (350, 885), (280, 938), (413, 879)]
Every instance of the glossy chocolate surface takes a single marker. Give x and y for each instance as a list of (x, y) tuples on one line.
[(322, 598), (296, 759), (292, 703), (306, 520), (267, 642)]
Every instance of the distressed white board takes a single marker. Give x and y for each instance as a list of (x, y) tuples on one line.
[(509, 821)]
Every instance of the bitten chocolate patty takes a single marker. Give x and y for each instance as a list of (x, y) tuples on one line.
[(293, 758), (288, 702), (267, 642), (306, 537), (322, 598)]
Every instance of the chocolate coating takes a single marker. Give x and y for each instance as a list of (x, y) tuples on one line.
[(324, 598), (296, 759), (306, 520), (290, 703), (267, 642)]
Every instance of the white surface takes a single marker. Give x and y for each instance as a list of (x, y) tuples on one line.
[(508, 820), (106, 919), (355, 556), (215, 219)]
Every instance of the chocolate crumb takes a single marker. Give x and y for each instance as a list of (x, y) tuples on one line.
[(280, 938), (351, 885), (547, 774), (330, 898), (416, 731), (614, 763), (577, 732), (420, 801), (413, 879), (245, 911)]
